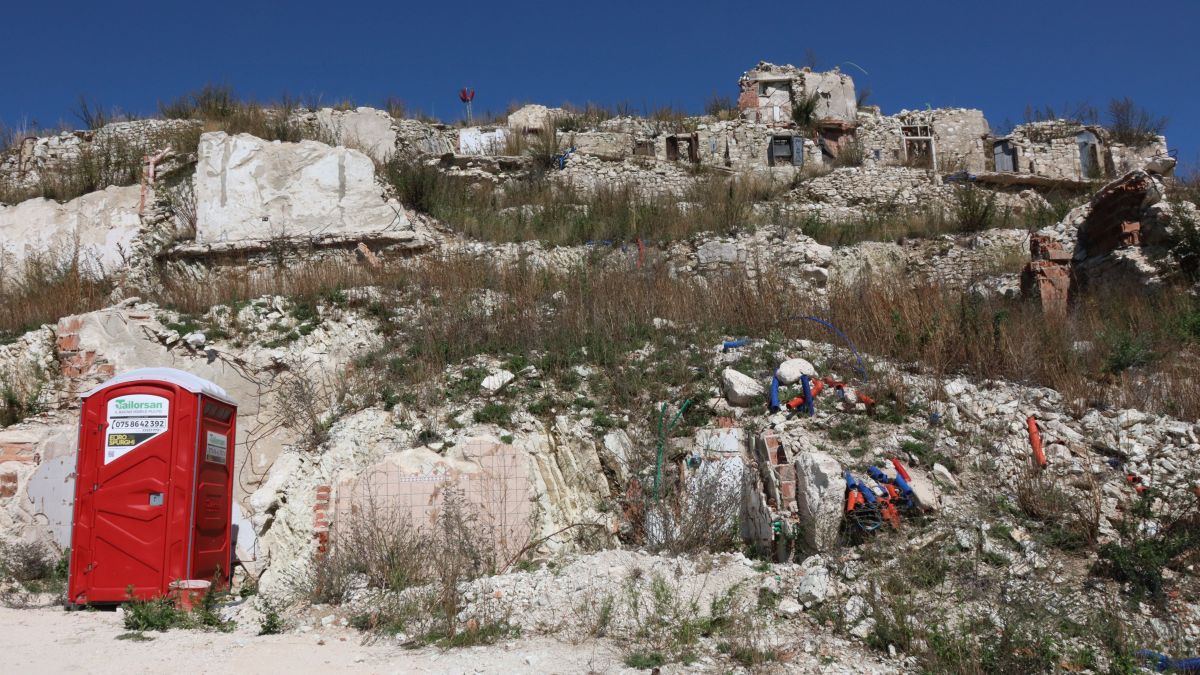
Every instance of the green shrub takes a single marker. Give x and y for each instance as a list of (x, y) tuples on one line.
[(159, 614), (494, 413)]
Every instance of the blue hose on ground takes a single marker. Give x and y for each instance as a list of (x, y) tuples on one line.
[(734, 344), (808, 406), (1163, 663), (862, 369), (775, 392)]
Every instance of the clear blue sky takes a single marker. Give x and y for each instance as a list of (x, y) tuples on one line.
[(997, 56)]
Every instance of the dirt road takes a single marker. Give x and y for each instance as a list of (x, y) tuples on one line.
[(50, 640)]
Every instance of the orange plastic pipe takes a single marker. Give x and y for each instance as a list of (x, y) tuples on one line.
[(865, 400), (901, 470), (817, 386), (1035, 440)]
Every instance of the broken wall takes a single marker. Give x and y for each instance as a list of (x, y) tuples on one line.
[(768, 93), (958, 138), (35, 158), (410, 488), (745, 146)]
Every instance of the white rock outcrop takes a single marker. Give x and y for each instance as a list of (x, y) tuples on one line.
[(100, 227), (251, 189), (365, 129)]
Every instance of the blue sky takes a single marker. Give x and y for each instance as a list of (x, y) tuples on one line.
[(999, 57)]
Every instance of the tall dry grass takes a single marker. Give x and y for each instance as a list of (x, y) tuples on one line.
[(1115, 349), (43, 288), (557, 213)]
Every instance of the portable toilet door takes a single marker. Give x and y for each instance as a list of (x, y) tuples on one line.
[(153, 488)]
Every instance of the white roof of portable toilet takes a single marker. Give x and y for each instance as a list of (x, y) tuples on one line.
[(192, 383)]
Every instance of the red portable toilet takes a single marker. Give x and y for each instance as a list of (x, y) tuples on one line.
[(153, 486)]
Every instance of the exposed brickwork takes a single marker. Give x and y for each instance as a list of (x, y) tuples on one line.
[(18, 452), (321, 518), (8, 484)]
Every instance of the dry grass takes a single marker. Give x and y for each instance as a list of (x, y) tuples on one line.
[(1112, 350), (221, 110), (556, 213), (418, 569), (47, 287), (111, 159)]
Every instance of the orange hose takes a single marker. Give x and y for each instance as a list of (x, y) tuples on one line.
[(1035, 440)]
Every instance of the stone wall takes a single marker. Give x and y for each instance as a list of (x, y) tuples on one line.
[(768, 93), (647, 176), (958, 137), (37, 157), (1051, 149), (744, 146)]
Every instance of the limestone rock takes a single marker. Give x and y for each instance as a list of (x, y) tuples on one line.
[(496, 381), (820, 489), (365, 129), (790, 371), (533, 117), (740, 389), (251, 189), (103, 224)]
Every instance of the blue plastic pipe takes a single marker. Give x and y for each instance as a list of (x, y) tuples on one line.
[(775, 392), (806, 383), (734, 344), (1163, 663)]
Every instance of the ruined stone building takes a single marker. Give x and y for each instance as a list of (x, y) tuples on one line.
[(945, 140), (1067, 150)]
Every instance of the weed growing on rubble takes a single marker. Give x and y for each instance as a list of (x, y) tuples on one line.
[(162, 614), (598, 316), (1149, 543), (46, 287), (1070, 521), (415, 573)]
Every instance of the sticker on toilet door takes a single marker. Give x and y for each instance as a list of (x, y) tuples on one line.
[(216, 447), (132, 420)]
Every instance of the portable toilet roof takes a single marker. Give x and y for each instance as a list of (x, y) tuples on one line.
[(190, 382)]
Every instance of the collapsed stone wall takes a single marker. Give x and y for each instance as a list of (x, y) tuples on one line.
[(958, 137), (36, 158), (647, 177), (1052, 149), (769, 91)]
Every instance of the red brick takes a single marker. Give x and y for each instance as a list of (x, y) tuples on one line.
[(787, 491)]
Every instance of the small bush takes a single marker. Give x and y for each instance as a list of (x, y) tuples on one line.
[(804, 111), (1126, 349), (494, 413), (1071, 521), (973, 209), (27, 561), (721, 106), (158, 614), (1148, 545), (272, 623), (1131, 124)]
